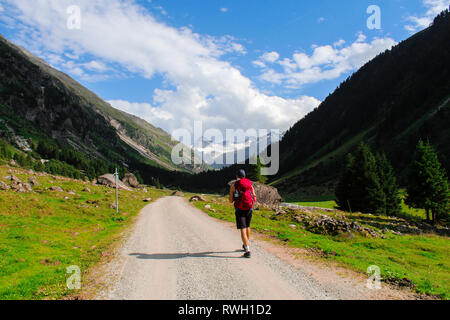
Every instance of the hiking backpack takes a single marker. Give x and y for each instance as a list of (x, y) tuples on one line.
[(246, 199)]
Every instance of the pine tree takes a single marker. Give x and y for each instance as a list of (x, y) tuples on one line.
[(389, 185), (345, 188), (255, 172), (38, 166), (428, 184), (360, 186)]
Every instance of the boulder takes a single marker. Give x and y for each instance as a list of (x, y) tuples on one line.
[(130, 180), (57, 189), (197, 198), (265, 195), (177, 194), (3, 186), (147, 199), (33, 181), (12, 178), (27, 187), (110, 181), (18, 187)]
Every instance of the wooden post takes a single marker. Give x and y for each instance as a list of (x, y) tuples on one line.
[(117, 191)]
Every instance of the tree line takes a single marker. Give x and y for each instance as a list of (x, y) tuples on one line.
[(368, 184)]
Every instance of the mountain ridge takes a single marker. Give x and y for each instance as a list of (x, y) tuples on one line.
[(413, 76), (75, 116)]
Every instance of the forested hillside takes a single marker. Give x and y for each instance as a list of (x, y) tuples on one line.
[(47, 114), (390, 103)]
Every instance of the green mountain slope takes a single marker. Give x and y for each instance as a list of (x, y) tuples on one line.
[(395, 99), (66, 112)]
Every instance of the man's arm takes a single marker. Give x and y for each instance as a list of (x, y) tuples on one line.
[(231, 195), (254, 194)]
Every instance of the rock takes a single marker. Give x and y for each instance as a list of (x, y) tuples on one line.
[(112, 206), (280, 212), (130, 180), (86, 190), (56, 189), (27, 187), (71, 192), (12, 178), (207, 207), (265, 195), (33, 181), (66, 198), (212, 210), (110, 181), (3, 186), (19, 188), (12, 163), (177, 194), (147, 200), (197, 198), (292, 226)]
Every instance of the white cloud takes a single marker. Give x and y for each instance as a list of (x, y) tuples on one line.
[(270, 56), (124, 37), (145, 110), (321, 19), (339, 43), (325, 63), (434, 7), (224, 9)]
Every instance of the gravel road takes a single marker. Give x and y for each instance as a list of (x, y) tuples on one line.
[(176, 251)]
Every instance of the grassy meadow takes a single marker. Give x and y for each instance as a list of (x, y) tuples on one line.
[(43, 232)]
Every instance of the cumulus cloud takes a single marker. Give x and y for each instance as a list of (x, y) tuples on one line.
[(123, 37), (434, 7), (325, 63), (145, 110)]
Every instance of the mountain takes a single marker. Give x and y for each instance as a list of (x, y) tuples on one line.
[(400, 96), (41, 105), (216, 154)]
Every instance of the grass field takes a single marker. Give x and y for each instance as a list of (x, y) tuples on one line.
[(43, 232), (327, 202), (424, 259)]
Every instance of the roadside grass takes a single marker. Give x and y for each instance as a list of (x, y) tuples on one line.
[(326, 202), (319, 204), (42, 233), (424, 259)]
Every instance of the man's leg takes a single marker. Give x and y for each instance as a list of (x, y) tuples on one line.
[(244, 237), (248, 234)]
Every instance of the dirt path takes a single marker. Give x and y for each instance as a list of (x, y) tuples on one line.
[(177, 252)]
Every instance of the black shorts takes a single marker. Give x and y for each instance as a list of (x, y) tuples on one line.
[(243, 218)]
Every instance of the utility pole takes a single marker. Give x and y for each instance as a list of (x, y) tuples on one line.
[(116, 175)]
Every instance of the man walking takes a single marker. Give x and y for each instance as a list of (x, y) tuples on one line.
[(244, 198)]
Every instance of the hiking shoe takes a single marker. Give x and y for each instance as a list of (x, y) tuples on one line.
[(247, 254)]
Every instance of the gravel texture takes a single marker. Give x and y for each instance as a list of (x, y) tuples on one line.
[(177, 252)]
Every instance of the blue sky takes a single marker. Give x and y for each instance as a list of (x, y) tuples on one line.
[(231, 64)]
